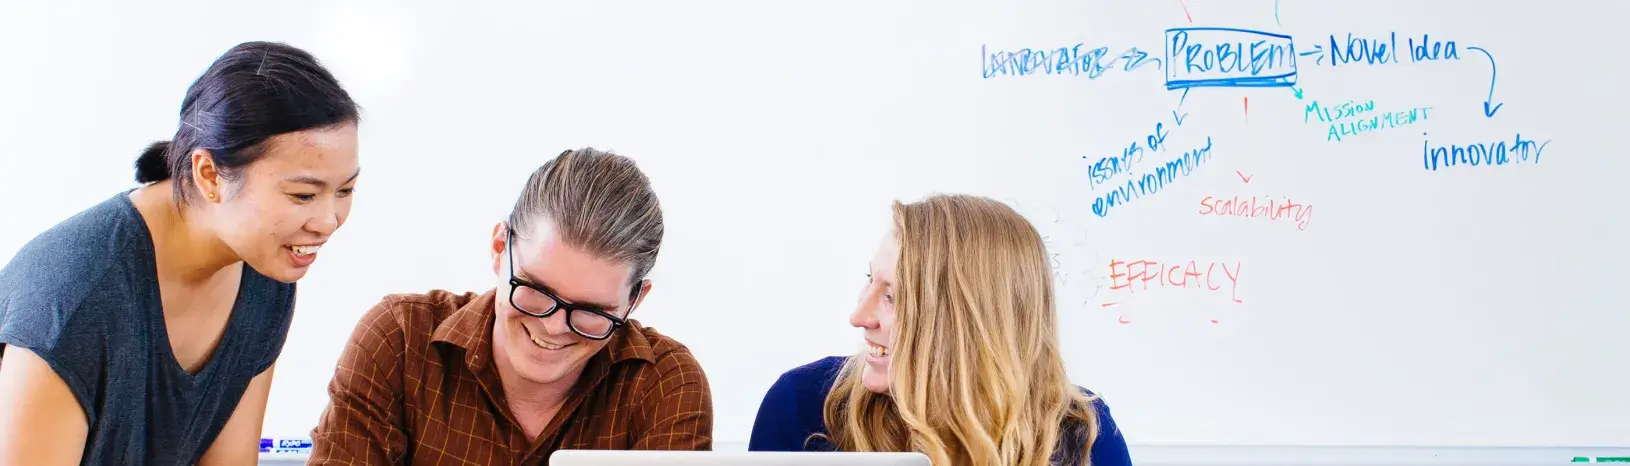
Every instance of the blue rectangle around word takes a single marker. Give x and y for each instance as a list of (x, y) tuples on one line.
[(1227, 57)]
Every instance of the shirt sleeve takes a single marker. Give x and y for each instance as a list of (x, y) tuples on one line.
[(74, 344), (363, 424), (793, 409), (1109, 449), (776, 427), (679, 405)]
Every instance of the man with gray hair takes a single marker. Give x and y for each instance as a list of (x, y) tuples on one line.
[(546, 360)]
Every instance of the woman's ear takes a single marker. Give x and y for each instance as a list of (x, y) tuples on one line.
[(206, 176)]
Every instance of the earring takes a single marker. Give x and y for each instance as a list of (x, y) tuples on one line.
[(211, 196)]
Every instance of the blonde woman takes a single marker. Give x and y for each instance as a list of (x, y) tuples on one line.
[(962, 360)]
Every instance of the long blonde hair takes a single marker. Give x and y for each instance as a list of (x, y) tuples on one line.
[(976, 377)]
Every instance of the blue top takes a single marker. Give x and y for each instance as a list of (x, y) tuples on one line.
[(84, 296), (791, 413)]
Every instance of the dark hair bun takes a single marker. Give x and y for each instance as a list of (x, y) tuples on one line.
[(153, 166)]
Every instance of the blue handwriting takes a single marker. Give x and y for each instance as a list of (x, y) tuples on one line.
[(1151, 183), (1353, 118), (1383, 51), (1062, 60), (1430, 50), (1481, 153), (1328, 114), (1228, 57), (1365, 51), (1388, 120), (1105, 168)]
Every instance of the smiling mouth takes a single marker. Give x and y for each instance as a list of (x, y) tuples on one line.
[(543, 344), (302, 255), (877, 350)]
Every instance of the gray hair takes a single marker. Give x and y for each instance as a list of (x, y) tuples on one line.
[(596, 201)]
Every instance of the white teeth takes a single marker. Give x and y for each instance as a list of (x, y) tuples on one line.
[(875, 350), (546, 345), (538, 341), (305, 250)]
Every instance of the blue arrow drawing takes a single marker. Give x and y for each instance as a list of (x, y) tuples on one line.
[(1489, 107), (1180, 100), (1317, 50)]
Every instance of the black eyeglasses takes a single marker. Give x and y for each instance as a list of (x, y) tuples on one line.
[(591, 323)]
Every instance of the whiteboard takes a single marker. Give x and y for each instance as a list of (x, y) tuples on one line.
[(1471, 305)]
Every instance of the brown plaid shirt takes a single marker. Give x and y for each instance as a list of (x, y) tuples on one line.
[(416, 385)]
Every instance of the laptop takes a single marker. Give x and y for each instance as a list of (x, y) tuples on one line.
[(733, 458)]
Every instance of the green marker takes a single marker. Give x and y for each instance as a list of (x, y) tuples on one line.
[(1581, 459), (1613, 459)]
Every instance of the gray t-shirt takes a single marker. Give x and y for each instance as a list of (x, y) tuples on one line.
[(84, 296)]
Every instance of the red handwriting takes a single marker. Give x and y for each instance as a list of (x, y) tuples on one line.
[(1143, 274), (1254, 207)]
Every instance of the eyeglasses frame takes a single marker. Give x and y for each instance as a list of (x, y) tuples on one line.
[(515, 283)]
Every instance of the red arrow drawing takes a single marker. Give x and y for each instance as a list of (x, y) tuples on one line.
[(1242, 176)]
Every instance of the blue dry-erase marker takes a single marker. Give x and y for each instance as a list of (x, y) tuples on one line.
[(289, 446)]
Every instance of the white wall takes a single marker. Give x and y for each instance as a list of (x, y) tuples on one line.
[(1469, 306)]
